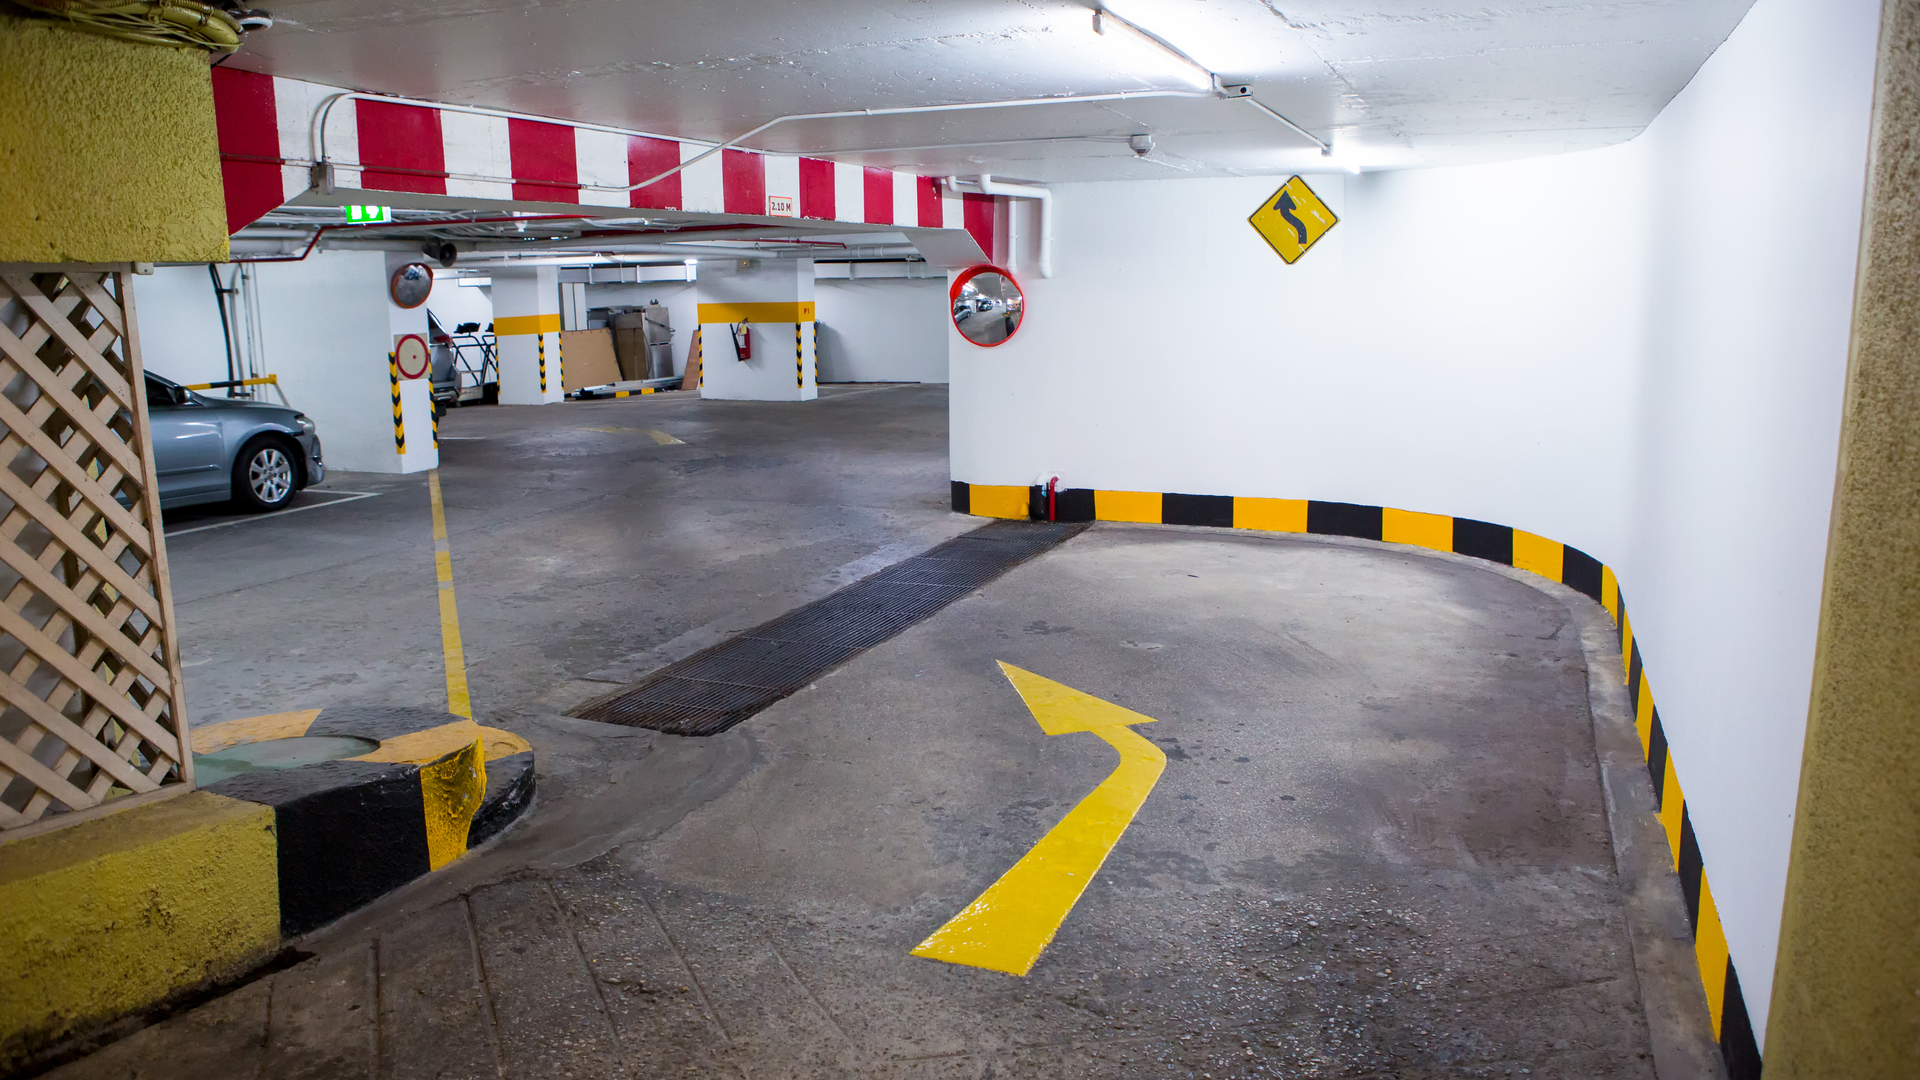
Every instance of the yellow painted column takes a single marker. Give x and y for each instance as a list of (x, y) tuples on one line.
[(110, 152), (1846, 992)]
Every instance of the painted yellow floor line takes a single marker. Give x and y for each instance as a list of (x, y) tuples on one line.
[(1012, 923), (456, 656)]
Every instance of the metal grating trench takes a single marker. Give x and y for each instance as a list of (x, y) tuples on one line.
[(711, 691)]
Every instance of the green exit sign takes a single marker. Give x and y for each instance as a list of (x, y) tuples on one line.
[(369, 215)]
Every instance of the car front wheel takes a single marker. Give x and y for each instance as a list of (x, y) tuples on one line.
[(263, 475)]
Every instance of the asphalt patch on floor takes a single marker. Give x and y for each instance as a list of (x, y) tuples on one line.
[(711, 691)]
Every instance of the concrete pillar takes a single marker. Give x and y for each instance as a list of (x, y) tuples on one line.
[(773, 298), (415, 445), (1846, 993), (328, 327), (526, 324)]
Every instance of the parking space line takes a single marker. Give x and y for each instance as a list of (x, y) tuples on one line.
[(1014, 921), (352, 496), (456, 656)]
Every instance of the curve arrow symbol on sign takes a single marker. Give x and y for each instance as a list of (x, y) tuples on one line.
[(1287, 206)]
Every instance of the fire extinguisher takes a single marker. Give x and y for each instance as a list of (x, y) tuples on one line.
[(742, 341)]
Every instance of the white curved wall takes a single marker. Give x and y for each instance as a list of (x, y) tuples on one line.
[(1638, 351)]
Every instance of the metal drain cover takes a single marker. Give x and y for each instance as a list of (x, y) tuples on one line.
[(711, 691)]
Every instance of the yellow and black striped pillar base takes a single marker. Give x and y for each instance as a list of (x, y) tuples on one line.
[(399, 421), (799, 357), (1482, 540), (540, 343)]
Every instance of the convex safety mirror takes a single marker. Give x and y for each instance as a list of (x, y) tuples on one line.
[(410, 285), (987, 305)]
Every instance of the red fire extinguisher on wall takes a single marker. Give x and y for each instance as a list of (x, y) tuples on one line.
[(742, 341)]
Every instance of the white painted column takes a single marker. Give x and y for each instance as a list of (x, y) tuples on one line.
[(773, 298), (526, 327), (415, 445)]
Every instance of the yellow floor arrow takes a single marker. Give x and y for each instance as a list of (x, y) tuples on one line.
[(1011, 923)]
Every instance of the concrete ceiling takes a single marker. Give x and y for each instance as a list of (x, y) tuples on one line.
[(1391, 83)]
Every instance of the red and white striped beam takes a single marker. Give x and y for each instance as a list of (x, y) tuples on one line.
[(266, 126)]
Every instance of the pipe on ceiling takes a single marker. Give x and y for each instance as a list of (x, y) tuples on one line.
[(317, 137), (987, 185)]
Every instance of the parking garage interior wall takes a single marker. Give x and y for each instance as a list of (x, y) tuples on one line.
[(678, 297), (882, 329), (453, 303), (180, 323), (1627, 350), (326, 326)]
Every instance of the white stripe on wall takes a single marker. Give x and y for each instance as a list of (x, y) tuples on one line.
[(783, 179), (477, 145), (600, 157), (701, 187), (906, 208), (849, 193), (294, 103)]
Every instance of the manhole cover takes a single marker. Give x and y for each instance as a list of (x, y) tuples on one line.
[(277, 754)]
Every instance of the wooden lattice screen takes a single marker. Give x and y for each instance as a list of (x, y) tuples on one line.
[(89, 672)]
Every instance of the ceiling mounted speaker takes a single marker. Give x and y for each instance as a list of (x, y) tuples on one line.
[(442, 251)]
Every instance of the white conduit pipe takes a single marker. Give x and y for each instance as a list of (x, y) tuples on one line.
[(317, 137), (987, 185)]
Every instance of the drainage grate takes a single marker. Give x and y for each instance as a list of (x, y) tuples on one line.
[(711, 691)]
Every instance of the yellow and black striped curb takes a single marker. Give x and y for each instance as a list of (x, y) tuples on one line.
[(349, 831), (590, 394), (1482, 540), (399, 422)]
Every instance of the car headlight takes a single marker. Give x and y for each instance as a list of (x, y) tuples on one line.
[(306, 425)]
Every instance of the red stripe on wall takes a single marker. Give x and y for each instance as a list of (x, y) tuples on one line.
[(543, 161), (743, 182), (878, 185), (646, 159), (977, 216), (400, 148), (816, 188), (246, 122), (927, 190)]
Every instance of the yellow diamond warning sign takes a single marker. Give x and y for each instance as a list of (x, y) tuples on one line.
[(1292, 220)]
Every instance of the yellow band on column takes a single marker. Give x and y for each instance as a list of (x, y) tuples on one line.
[(514, 325), (761, 313)]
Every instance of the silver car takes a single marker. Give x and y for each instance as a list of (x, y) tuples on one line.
[(208, 449)]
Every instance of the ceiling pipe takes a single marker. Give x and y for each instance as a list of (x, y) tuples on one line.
[(987, 185), (1217, 88), (313, 241), (322, 167)]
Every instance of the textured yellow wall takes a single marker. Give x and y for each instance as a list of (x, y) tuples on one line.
[(1846, 994), (107, 150), (111, 916)]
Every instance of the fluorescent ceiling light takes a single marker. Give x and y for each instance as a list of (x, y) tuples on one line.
[(1114, 28)]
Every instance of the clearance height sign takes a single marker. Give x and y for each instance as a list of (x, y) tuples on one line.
[(1292, 220)]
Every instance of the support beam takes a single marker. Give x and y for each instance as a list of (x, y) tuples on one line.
[(1846, 994)]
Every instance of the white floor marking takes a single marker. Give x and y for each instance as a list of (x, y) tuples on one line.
[(353, 496)]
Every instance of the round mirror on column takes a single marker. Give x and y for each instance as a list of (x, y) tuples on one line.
[(410, 285), (987, 305)]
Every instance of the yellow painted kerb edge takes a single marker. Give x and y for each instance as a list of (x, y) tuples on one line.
[(109, 916)]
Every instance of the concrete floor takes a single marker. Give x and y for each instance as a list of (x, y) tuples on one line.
[(1381, 846)]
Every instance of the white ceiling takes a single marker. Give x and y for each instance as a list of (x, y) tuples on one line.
[(1392, 83)]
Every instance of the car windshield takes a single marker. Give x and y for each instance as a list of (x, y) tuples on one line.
[(163, 391)]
